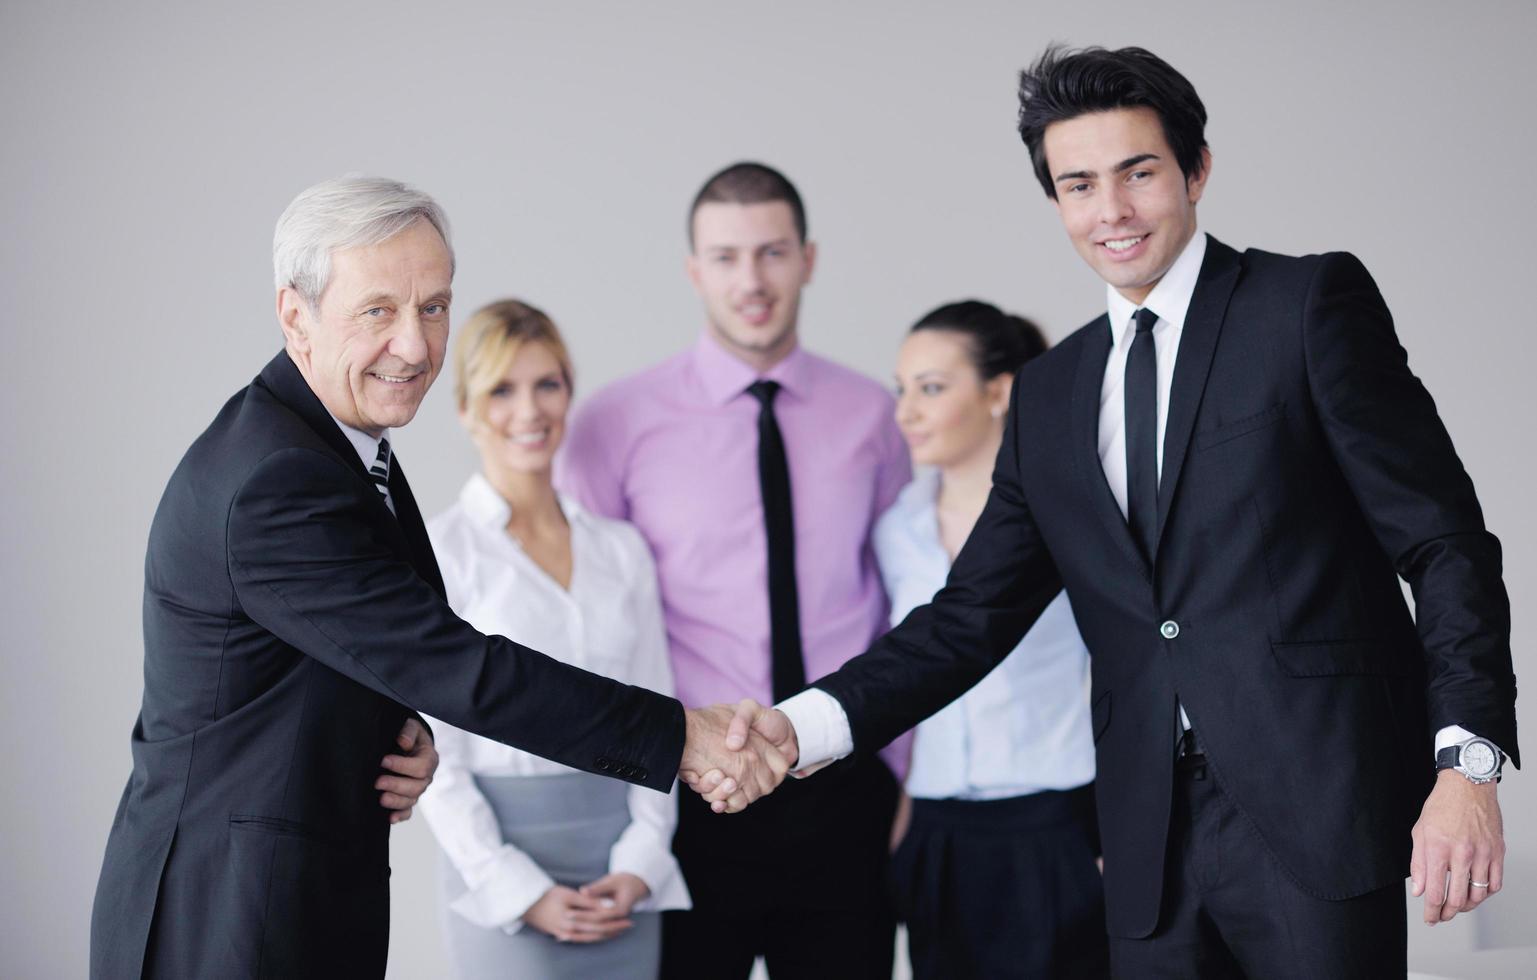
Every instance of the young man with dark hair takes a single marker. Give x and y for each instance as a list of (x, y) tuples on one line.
[(1228, 471), (756, 471)]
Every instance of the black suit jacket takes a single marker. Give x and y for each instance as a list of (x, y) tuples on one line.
[(1305, 469), (291, 624)]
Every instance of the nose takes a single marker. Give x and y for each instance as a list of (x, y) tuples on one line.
[(525, 404), (409, 342), (750, 274), (1114, 204), (907, 408)]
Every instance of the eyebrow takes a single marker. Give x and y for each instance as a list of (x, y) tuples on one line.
[(1121, 167), (388, 299), (759, 246)]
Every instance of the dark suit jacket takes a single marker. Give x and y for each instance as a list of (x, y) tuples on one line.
[(291, 624), (1304, 470)]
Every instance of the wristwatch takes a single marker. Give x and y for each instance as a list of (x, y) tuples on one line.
[(1476, 758)]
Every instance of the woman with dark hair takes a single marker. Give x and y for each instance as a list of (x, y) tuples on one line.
[(548, 872), (995, 872)]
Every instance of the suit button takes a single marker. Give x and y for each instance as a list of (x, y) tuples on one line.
[(1169, 630), (640, 774), (602, 763)]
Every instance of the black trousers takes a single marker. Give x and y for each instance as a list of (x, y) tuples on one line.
[(1003, 888), (1230, 911), (798, 877)]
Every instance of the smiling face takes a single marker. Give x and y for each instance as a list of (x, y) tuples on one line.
[(1127, 208), (947, 413), (522, 419), (373, 344), (749, 265)]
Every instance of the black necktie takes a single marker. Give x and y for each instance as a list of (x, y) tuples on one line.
[(1141, 392), (779, 522), (380, 471)]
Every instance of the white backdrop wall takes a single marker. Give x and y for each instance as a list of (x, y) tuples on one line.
[(148, 148)]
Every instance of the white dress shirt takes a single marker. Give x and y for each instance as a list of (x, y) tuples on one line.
[(609, 622), (827, 735), (986, 745), (1170, 299)]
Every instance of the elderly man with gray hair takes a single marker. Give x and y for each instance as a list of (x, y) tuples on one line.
[(295, 622)]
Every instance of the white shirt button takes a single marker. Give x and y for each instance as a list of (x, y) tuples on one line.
[(1170, 629)]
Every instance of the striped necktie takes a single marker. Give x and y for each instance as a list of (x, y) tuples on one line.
[(380, 471)]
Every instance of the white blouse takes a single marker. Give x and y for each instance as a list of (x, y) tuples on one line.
[(609, 622), (1025, 726)]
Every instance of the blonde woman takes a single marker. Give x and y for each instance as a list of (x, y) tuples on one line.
[(548, 872)]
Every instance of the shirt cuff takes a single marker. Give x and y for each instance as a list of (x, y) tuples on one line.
[(654, 865), (1455, 735), (821, 729), (507, 889)]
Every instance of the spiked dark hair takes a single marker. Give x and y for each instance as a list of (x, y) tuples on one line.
[(1063, 84)]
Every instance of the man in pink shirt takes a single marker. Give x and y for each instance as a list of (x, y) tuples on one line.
[(756, 471)]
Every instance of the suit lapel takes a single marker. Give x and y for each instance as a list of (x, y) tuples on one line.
[(283, 379), (422, 557), (1198, 342), (1087, 387)]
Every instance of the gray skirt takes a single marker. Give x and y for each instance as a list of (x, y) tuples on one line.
[(566, 823)]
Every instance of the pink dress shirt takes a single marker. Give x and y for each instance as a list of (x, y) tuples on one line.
[(674, 451)]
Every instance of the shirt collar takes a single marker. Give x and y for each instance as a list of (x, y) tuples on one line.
[(724, 376), (1170, 298), (366, 445), (488, 508), (916, 503)]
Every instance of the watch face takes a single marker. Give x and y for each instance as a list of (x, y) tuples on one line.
[(1478, 758)]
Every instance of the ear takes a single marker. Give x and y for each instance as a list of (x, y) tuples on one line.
[(1196, 185), (998, 390), (809, 250), (294, 318)]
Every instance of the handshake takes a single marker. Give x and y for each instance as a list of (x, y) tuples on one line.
[(733, 756)]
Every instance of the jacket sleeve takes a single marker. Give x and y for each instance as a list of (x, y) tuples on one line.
[(310, 561), (1001, 581), (1389, 442)]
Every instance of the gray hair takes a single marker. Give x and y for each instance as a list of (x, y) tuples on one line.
[(345, 212)]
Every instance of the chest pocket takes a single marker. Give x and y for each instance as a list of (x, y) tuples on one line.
[(1238, 428)]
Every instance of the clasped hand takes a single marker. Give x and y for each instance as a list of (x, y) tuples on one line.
[(595, 912), (735, 756)]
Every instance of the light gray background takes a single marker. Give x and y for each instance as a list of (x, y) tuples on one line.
[(147, 150)]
